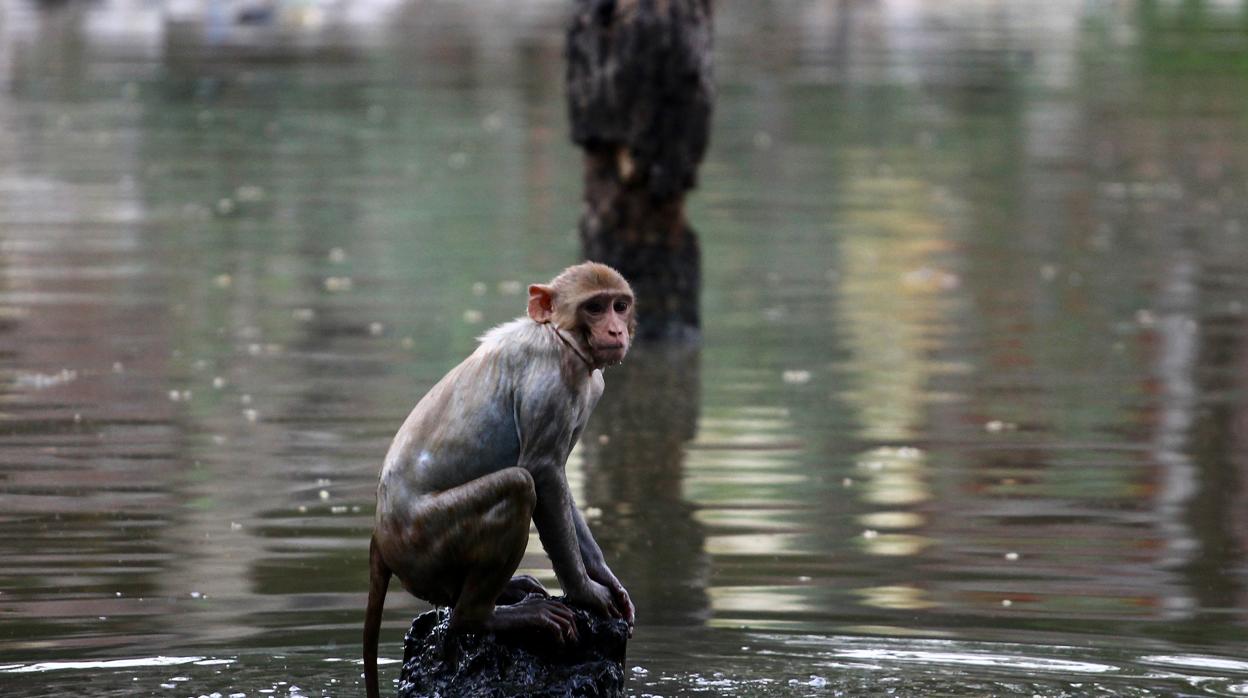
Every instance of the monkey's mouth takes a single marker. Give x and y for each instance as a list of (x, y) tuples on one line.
[(610, 354)]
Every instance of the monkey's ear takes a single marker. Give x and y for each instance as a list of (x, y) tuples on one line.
[(541, 303)]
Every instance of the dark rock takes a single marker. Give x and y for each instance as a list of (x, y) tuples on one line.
[(523, 664)]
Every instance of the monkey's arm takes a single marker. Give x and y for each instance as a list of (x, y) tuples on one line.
[(556, 527), (597, 569)]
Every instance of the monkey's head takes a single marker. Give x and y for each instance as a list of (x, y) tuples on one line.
[(594, 305)]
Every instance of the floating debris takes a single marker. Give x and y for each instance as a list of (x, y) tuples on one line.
[(1011, 556), (376, 329), (251, 415), (337, 255), (996, 425), (225, 206)]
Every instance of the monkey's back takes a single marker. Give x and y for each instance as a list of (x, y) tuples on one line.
[(466, 425)]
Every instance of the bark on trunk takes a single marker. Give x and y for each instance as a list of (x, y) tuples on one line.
[(639, 101)]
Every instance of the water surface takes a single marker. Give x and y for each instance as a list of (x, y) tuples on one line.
[(970, 416)]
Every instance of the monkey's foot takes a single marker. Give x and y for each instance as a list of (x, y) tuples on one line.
[(520, 588), (526, 662)]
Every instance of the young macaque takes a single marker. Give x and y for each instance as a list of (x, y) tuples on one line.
[(483, 454)]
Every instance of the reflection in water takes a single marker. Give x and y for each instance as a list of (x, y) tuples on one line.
[(970, 416)]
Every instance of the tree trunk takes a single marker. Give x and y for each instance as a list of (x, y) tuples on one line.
[(639, 101)]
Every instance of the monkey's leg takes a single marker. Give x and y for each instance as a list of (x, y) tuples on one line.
[(474, 536)]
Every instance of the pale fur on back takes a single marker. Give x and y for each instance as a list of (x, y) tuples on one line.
[(524, 329)]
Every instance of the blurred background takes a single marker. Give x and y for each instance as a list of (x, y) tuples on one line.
[(969, 415)]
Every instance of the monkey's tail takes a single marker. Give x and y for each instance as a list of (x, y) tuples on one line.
[(378, 581)]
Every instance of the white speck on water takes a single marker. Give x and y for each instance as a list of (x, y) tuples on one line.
[(117, 594), (225, 206), (118, 367), (1011, 556), (640, 671), (795, 377), (604, 439), (218, 382), (492, 123), (77, 418), (251, 415), (376, 328), (40, 381), (1006, 603), (472, 317), (303, 314), (196, 595), (223, 280), (338, 509), (996, 426), (103, 617), (324, 495), (235, 526), (168, 685), (847, 482), (479, 288), (336, 284), (302, 509), (249, 192), (869, 534), (245, 399), (1145, 318), (337, 255), (1048, 272), (175, 395), (323, 482)]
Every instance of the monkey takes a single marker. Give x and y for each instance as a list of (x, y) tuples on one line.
[(484, 452)]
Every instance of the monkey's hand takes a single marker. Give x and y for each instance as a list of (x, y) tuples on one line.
[(621, 604), (595, 597)]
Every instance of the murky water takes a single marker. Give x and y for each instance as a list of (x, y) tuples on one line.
[(970, 416)]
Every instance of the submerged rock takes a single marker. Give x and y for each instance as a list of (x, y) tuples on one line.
[(523, 664)]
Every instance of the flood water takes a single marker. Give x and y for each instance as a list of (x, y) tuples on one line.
[(969, 417)]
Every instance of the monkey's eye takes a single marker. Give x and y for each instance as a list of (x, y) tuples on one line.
[(621, 305), (595, 307)]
